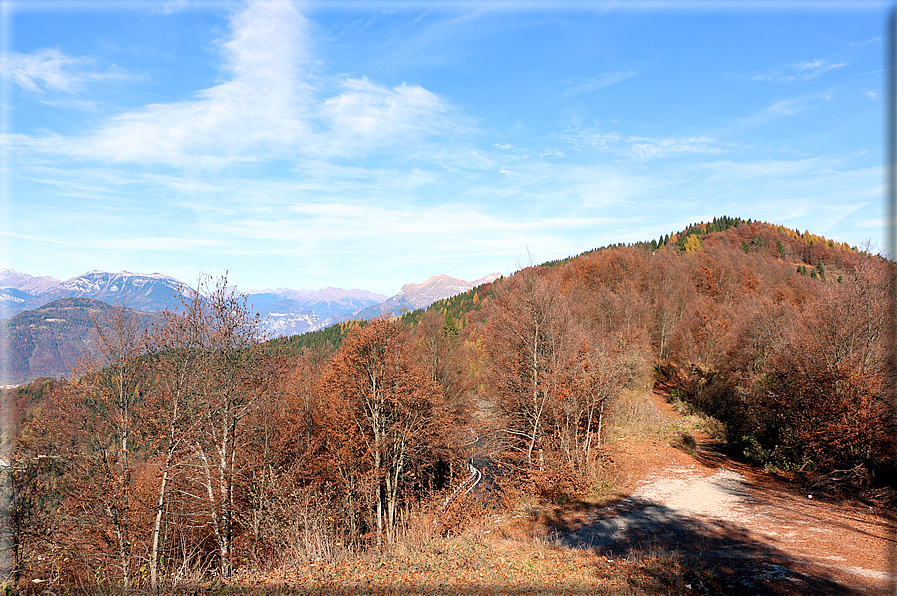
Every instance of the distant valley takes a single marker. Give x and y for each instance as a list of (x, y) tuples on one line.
[(46, 323)]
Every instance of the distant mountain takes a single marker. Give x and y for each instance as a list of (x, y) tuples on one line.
[(291, 312), (146, 292), (23, 282), (414, 296), (284, 311), (12, 298), (437, 288), (47, 341), (152, 291)]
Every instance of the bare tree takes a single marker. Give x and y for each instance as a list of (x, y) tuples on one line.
[(529, 346), (597, 374), (224, 336), (118, 382), (83, 451)]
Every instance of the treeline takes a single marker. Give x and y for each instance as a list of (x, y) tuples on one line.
[(459, 306), (198, 450), (329, 338)]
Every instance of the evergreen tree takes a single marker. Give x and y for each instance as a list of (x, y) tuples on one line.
[(449, 327)]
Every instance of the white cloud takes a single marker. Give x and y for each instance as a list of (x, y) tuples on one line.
[(871, 94), (49, 70), (173, 6), (868, 42), (637, 147), (582, 139), (785, 107), (586, 85), (367, 115), (798, 71), (646, 148), (272, 105), (158, 243), (345, 226)]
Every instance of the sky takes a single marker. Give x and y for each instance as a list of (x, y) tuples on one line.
[(372, 144)]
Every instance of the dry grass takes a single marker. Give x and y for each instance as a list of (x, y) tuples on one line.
[(510, 553), (634, 416), (487, 561)]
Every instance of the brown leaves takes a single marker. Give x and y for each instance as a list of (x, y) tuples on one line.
[(382, 418)]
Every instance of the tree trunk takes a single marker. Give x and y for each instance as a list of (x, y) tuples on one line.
[(157, 527)]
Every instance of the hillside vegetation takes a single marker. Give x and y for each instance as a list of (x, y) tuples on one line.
[(201, 454), (47, 341)]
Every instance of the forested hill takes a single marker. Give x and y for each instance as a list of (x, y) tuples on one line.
[(777, 332), (692, 238), (810, 254), (47, 341)]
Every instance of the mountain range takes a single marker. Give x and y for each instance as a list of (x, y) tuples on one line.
[(291, 312), (46, 323), (20, 292)]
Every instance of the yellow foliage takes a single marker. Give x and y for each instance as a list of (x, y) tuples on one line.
[(693, 243)]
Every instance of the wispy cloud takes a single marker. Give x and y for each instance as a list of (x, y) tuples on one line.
[(645, 148), (784, 108), (589, 84), (49, 70), (173, 6), (868, 42), (797, 71), (638, 147), (158, 243), (590, 139), (366, 115)]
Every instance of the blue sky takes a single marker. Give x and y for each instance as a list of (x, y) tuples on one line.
[(371, 144)]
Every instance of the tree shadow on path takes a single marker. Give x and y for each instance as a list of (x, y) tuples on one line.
[(732, 559)]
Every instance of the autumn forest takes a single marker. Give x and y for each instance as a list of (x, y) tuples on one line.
[(198, 450)]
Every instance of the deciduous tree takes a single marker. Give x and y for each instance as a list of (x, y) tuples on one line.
[(529, 345), (381, 413)]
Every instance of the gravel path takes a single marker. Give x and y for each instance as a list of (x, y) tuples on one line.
[(762, 534)]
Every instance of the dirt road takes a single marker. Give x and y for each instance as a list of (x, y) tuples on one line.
[(757, 533)]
